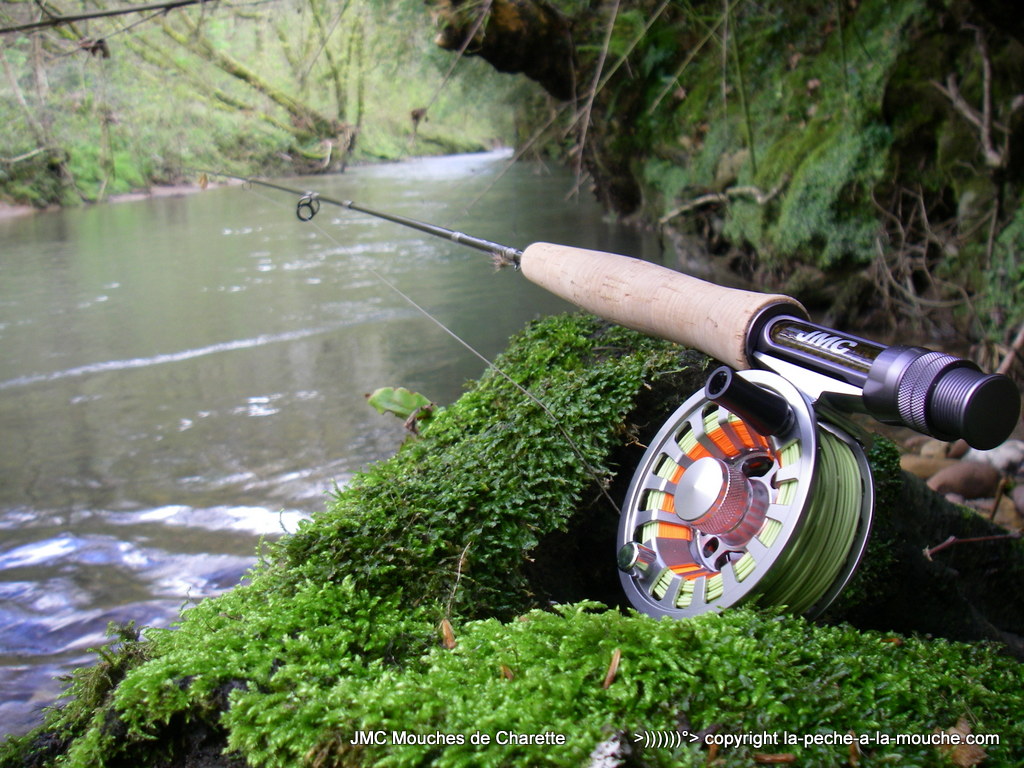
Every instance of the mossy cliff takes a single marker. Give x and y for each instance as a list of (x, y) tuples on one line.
[(419, 605), (866, 157)]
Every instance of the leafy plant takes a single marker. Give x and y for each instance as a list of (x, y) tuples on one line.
[(411, 407)]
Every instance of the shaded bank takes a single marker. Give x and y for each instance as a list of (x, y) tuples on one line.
[(414, 604), (178, 371), (864, 157)]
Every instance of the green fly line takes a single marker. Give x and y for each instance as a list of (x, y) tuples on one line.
[(811, 563)]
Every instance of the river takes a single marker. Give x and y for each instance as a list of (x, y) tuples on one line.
[(181, 376)]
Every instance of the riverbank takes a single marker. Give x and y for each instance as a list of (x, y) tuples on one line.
[(181, 189), (177, 367), (10, 211)]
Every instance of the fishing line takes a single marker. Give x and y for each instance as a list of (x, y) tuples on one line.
[(306, 209), (818, 553)]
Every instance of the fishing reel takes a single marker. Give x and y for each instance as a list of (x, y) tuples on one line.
[(744, 496)]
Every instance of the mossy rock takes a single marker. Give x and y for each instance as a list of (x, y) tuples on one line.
[(438, 598)]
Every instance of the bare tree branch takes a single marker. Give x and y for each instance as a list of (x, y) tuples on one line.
[(54, 21), (756, 194), (994, 158)]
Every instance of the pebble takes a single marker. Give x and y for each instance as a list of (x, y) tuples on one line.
[(934, 449), (970, 479), (922, 466), (957, 449), (1007, 457)]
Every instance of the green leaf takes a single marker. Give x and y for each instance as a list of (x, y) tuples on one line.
[(399, 401)]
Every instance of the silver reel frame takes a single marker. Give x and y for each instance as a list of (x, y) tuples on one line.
[(717, 583)]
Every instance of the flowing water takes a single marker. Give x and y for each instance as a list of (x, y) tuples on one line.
[(181, 376)]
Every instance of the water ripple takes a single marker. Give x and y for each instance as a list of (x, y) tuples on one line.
[(108, 366)]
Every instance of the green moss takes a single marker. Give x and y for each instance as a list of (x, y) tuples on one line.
[(803, 95), (1001, 309), (823, 209), (740, 672), (820, 139), (339, 630), (444, 528), (489, 476), (88, 699)]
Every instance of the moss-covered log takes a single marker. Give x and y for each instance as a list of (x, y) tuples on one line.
[(419, 607)]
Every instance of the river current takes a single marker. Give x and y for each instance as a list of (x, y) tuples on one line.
[(181, 376)]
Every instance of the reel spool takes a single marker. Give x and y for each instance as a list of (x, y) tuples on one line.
[(743, 495)]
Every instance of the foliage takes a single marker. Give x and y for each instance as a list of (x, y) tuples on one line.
[(401, 402), (820, 149), (163, 103), (811, 128)]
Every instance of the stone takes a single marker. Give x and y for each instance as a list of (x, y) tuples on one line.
[(970, 479), (1007, 457), (923, 467), (913, 443), (957, 449), (934, 449), (1018, 497)]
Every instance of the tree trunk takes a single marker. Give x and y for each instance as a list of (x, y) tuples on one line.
[(57, 157), (324, 32), (35, 125), (218, 97), (307, 122)]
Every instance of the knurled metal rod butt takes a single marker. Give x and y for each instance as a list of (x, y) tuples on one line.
[(941, 395), (655, 300)]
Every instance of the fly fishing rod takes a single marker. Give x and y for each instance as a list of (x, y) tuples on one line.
[(751, 490)]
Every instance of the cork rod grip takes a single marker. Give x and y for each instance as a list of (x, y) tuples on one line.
[(655, 300)]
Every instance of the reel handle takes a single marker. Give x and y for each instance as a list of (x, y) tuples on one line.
[(656, 300)]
